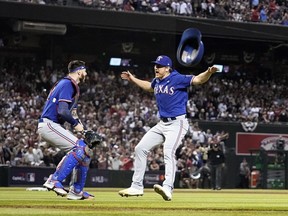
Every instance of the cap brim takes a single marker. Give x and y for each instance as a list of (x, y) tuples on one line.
[(154, 62)]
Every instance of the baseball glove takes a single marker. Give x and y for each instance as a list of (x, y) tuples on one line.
[(92, 139)]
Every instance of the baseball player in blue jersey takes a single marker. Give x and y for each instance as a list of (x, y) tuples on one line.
[(59, 108), (170, 90)]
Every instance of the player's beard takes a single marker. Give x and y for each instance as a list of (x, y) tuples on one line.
[(82, 78)]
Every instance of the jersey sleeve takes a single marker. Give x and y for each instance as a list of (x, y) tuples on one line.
[(66, 95), (185, 81)]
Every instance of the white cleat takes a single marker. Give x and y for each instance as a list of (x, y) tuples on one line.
[(56, 186), (60, 191), (83, 195), (163, 192), (130, 192), (49, 184)]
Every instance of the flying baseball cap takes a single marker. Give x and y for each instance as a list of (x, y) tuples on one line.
[(190, 49), (163, 60)]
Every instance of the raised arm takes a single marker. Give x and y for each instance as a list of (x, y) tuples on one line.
[(204, 76), (141, 83)]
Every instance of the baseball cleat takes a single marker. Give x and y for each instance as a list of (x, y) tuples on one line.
[(163, 192), (83, 195), (60, 191), (56, 186), (49, 184), (130, 192)]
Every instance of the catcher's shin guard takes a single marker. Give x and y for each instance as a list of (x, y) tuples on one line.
[(71, 160), (81, 170)]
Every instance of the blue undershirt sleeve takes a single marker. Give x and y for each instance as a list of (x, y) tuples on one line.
[(65, 113)]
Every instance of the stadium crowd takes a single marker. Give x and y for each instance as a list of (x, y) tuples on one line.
[(122, 114), (266, 11)]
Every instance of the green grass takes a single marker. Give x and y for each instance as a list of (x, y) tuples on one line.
[(18, 201)]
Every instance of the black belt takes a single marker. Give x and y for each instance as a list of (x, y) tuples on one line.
[(168, 119), (164, 119)]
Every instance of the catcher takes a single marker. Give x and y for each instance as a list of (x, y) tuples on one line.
[(78, 158), (60, 109)]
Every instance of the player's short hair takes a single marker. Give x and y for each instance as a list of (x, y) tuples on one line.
[(75, 65)]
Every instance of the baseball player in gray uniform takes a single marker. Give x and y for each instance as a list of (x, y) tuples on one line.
[(170, 90)]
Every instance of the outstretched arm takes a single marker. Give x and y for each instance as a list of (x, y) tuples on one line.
[(204, 76), (141, 83)]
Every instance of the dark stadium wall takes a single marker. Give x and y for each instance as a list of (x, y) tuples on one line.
[(141, 22)]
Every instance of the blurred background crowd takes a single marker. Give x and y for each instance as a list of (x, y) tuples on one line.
[(122, 113), (264, 11)]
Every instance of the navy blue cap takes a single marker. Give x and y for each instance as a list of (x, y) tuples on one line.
[(163, 60)]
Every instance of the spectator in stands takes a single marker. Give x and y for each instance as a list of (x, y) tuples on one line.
[(128, 7), (154, 165), (254, 3), (37, 151), (255, 16), (127, 162), (263, 14), (30, 158), (102, 161), (175, 6), (210, 8), (185, 180), (7, 153), (2, 159), (183, 8), (284, 20), (114, 162)]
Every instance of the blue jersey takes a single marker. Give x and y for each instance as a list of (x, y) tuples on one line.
[(65, 90), (171, 94)]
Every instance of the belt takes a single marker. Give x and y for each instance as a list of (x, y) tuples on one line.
[(168, 119), (164, 119)]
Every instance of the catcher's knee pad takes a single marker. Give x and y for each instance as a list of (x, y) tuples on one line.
[(81, 143), (88, 151), (190, 49)]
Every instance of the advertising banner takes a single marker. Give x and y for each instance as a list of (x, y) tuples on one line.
[(36, 176), (28, 175), (245, 142)]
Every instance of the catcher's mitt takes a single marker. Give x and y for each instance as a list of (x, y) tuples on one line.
[(92, 139)]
